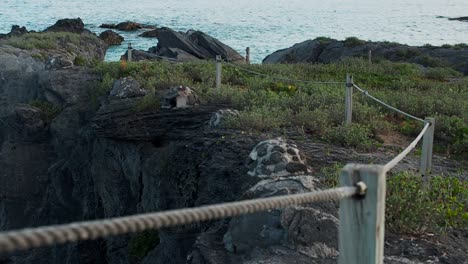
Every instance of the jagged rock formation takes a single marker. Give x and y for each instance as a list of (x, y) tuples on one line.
[(126, 88), (111, 38), (74, 25), (149, 34), (324, 50), (180, 97), (192, 45), (15, 31)]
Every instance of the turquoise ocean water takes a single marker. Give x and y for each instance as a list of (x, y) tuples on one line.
[(264, 25)]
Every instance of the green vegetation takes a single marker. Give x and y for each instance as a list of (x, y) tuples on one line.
[(141, 244), (353, 42), (50, 110), (149, 101), (317, 110), (412, 207), (49, 40), (79, 61)]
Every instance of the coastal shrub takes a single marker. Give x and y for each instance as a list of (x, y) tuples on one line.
[(259, 118), (429, 61), (460, 46), (353, 42), (408, 53), (142, 243), (149, 102), (412, 207), (79, 61), (315, 121), (353, 135), (50, 110), (453, 133)]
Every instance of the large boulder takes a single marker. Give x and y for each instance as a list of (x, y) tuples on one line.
[(219, 116), (74, 25), (111, 38), (149, 34), (195, 43), (325, 50), (276, 158), (126, 88)]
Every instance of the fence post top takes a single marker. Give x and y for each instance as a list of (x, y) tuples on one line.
[(218, 57)]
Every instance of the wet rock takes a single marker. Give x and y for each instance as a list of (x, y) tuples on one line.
[(74, 25), (111, 38), (127, 88), (180, 97), (276, 157), (217, 117), (149, 34), (126, 26)]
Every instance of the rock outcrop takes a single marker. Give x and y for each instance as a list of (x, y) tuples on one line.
[(192, 44), (73, 25), (180, 97), (323, 50), (111, 38), (459, 18), (15, 31), (126, 88), (219, 117), (126, 26), (149, 34)]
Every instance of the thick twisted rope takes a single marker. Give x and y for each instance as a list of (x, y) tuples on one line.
[(59, 234), (407, 150), (366, 93), (280, 78)]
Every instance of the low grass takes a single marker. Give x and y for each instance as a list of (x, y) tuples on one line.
[(50, 110), (413, 207), (318, 110), (49, 40)]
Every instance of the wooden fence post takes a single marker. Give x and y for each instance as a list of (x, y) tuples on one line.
[(362, 218), (247, 55), (370, 57), (129, 52), (218, 71), (349, 99), (426, 154)]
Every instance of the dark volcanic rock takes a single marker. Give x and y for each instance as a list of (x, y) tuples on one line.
[(329, 50), (126, 26), (149, 34), (459, 18), (15, 31), (195, 43), (74, 25), (111, 38)]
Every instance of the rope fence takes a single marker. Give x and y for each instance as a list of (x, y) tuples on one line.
[(59, 234)]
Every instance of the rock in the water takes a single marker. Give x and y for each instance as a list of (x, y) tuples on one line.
[(74, 25), (15, 31), (275, 158), (126, 26), (325, 50), (195, 43), (126, 88), (149, 34), (111, 38), (459, 18), (180, 97), (217, 117)]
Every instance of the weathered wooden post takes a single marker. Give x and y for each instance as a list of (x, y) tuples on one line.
[(362, 217), (247, 55), (349, 99), (129, 52), (218, 71), (370, 57), (426, 155)]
